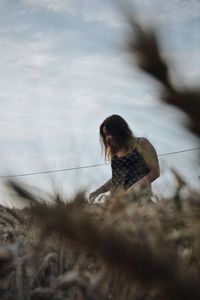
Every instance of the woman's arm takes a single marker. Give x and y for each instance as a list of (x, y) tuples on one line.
[(150, 156), (102, 189)]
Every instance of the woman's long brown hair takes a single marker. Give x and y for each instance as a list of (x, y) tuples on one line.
[(122, 136)]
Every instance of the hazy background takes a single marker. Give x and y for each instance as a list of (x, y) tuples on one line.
[(64, 68)]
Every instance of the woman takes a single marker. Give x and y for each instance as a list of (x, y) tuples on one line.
[(134, 161)]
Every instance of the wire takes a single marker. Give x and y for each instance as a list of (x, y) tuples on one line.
[(181, 151), (85, 167), (53, 171)]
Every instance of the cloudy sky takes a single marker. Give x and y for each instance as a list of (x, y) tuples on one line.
[(64, 68)]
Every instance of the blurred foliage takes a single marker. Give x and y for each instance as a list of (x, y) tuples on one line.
[(115, 250), (144, 47)]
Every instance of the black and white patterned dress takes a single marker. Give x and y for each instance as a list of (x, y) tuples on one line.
[(128, 169)]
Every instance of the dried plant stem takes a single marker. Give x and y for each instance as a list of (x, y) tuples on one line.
[(19, 275), (46, 260), (61, 254)]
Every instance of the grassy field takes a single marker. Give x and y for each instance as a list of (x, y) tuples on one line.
[(114, 250)]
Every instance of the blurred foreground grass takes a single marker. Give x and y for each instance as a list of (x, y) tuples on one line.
[(115, 250)]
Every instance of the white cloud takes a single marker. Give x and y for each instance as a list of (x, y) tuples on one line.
[(167, 11), (14, 29), (109, 13), (55, 5), (89, 11), (23, 52)]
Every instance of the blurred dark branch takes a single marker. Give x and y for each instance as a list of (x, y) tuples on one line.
[(146, 48), (143, 45), (189, 102)]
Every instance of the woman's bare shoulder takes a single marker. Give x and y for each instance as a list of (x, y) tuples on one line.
[(144, 143)]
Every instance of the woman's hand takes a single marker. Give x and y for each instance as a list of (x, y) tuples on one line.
[(103, 189), (93, 195)]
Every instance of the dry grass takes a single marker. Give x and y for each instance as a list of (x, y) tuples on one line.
[(116, 250)]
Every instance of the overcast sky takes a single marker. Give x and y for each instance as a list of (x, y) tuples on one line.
[(64, 68)]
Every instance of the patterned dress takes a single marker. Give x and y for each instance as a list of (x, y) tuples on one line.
[(127, 170)]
